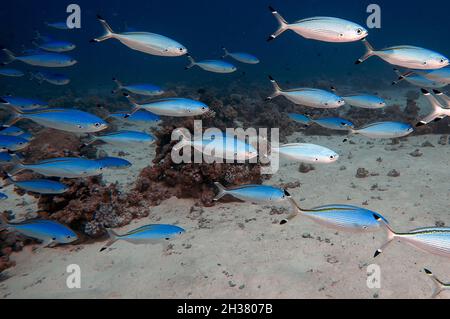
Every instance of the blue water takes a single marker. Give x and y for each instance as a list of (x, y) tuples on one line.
[(203, 27)]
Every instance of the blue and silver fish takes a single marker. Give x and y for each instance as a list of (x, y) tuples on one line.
[(407, 56), (12, 143), (366, 101), (241, 57), (440, 75), (11, 72), (439, 286), (439, 111), (435, 240), (39, 186), (63, 167), (49, 232), (12, 131), (327, 29), (216, 66), (177, 107), (308, 97), (114, 163), (341, 217), (140, 89), (44, 59), (147, 234), (419, 80), (150, 43), (307, 153), (332, 123), (386, 129), (140, 116), (68, 120), (218, 147), (125, 138), (253, 193), (24, 104), (52, 78), (55, 46)]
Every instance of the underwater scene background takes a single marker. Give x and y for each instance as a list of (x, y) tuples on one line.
[(238, 246)]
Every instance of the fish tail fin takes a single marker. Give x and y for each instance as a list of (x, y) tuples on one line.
[(443, 97), (16, 113), (226, 52), (222, 191), (401, 76), (390, 232), (18, 165), (439, 286), (113, 237), (191, 62), (369, 52), (436, 113), (92, 140), (295, 207), (7, 180), (276, 87), (282, 24), (133, 102), (109, 33), (4, 223), (10, 56)]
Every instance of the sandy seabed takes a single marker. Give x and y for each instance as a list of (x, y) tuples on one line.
[(238, 250)]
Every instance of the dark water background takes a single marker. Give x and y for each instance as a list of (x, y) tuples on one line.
[(203, 27)]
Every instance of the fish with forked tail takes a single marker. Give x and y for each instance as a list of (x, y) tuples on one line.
[(342, 217), (386, 129), (63, 167), (49, 232), (327, 29), (241, 57), (216, 66), (148, 234), (406, 56), (68, 120), (44, 59), (140, 89), (253, 193), (308, 97), (178, 107), (150, 43)]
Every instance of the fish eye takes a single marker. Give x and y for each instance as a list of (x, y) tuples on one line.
[(68, 237), (181, 49), (326, 103), (97, 124), (425, 63), (331, 156), (359, 30), (54, 238), (79, 126)]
